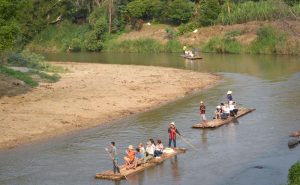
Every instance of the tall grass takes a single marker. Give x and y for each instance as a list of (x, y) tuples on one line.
[(268, 41), (60, 37), (142, 46), (222, 45), (252, 11)]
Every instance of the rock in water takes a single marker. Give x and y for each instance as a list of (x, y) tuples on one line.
[(293, 142)]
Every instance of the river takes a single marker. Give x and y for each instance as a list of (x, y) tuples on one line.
[(252, 150)]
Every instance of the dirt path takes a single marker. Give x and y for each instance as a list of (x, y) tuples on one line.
[(89, 95)]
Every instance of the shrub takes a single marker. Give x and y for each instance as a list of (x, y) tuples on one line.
[(294, 174), (268, 41), (170, 33), (92, 43), (183, 28), (75, 45)]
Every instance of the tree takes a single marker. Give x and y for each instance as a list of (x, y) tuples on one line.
[(209, 12), (179, 11)]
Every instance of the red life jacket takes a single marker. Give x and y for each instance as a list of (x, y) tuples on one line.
[(172, 134)]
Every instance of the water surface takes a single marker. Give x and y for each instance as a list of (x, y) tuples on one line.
[(251, 151)]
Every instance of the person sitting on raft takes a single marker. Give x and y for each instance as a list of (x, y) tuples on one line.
[(158, 149), (172, 130), (149, 151), (218, 112), (142, 148), (229, 96), (233, 110), (226, 112), (139, 157), (130, 157)]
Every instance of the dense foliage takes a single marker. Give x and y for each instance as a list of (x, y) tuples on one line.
[(76, 25), (294, 174)]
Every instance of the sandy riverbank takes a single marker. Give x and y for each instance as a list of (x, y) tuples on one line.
[(92, 94)]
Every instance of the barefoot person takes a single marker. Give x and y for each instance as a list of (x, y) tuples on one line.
[(130, 157), (172, 130), (114, 157), (202, 112)]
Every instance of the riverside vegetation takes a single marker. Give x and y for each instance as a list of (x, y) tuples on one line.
[(104, 25)]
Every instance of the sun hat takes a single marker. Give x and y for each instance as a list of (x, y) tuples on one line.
[(201, 101), (130, 147), (229, 92), (218, 107), (172, 123)]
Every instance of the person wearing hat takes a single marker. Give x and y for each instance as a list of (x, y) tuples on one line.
[(130, 157), (114, 156), (229, 96), (202, 111), (218, 112), (172, 130)]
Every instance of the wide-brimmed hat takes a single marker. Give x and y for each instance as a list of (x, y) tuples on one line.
[(218, 107), (130, 147), (229, 92), (172, 123), (201, 101)]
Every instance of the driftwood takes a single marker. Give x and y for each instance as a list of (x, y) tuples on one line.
[(109, 174), (218, 122)]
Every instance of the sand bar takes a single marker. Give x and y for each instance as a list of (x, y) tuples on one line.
[(92, 94)]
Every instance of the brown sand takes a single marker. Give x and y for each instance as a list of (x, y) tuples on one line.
[(92, 94)]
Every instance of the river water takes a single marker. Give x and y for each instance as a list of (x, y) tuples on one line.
[(252, 150)]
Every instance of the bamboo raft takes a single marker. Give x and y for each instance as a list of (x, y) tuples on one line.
[(218, 122), (109, 174), (191, 58)]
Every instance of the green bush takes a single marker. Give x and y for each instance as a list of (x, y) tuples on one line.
[(209, 12), (92, 43), (268, 41), (188, 27), (170, 33), (294, 174), (222, 45), (75, 45), (179, 11)]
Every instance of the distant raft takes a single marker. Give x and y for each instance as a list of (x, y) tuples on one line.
[(218, 122), (109, 174), (191, 58)]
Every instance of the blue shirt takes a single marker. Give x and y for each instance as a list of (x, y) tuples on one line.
[(139, 155)]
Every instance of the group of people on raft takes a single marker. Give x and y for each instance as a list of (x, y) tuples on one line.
[(140, 154), (223, 111)]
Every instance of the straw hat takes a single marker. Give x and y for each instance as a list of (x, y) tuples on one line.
[(130, 147), (201, 102), (172, 123), (229, 92)]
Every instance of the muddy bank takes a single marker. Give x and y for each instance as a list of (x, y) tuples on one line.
[(92, 94)]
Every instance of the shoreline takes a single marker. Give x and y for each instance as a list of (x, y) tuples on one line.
[(92, 95)]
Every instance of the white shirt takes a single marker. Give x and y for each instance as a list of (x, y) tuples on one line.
[(150, 149)]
